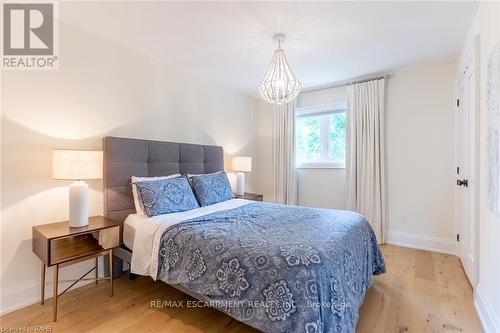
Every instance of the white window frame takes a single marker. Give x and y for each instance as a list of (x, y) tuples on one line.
[(324, 125)]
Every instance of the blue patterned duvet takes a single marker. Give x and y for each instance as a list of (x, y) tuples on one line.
[(277, 268)]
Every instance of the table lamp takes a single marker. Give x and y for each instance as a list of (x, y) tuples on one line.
[(241, 164), (77, 165)]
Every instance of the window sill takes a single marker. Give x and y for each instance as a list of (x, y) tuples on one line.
[(320, 165)]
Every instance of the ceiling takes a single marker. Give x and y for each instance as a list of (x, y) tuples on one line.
[(231, 43)]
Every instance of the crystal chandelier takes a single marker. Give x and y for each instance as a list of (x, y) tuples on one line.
[(280, 85)]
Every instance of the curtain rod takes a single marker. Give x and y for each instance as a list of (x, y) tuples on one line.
[(359, 79), (368, 80)]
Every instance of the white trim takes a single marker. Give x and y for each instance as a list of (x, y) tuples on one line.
[(421, 242), (487, 315), (320, 165), (321, 108), (324, 135), (21, 296), (24, 297), (467, 54)]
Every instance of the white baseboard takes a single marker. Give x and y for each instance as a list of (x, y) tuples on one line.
[(421, 242), (487, 314), (20, 296)]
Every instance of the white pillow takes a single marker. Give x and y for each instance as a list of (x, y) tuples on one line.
[(137, 202)]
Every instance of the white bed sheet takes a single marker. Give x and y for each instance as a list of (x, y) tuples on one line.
[(148, 234), (132, 222)]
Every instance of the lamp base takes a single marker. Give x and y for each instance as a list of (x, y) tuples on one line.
[(240, 183), (78, 204)]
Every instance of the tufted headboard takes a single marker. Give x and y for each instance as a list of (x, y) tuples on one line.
[(124, 158)]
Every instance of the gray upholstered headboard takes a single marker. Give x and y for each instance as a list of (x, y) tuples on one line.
[(124, 158)]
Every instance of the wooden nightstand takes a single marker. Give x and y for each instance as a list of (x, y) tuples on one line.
[(58, 245), (250, 196)]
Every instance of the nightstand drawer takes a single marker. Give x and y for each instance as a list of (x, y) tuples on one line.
[(57, 243), (73, 247)]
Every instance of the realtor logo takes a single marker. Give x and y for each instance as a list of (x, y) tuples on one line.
[(28, 36), (28, 29)]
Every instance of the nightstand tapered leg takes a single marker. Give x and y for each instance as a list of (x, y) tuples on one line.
[(55, 283), (42, 284), (110, 273), (96, 270)]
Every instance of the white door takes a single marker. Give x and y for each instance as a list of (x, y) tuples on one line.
[(465, 171)]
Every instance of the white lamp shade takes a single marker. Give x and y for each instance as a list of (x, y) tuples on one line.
[(76, 164), (240, 163)]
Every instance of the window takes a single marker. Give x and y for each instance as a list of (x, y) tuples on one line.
[(321, 136)]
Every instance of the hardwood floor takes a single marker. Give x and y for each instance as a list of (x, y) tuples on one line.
[(421, 292)]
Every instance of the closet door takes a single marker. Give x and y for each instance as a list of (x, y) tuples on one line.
[(465, 149)]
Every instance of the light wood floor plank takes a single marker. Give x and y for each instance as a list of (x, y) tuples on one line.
[(421, 292), (424, 265)]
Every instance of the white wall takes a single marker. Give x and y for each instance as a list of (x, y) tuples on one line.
[(487, 24), (264, 114), (101, 88), (420, 133), (323, 188), (419, 157)]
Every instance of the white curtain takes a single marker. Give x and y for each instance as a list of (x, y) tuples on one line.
[(366, 180), (285, 176)]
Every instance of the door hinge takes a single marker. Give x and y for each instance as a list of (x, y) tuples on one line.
[(458, 237), (458, 102)]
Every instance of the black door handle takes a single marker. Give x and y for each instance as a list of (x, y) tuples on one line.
[(463, 182)]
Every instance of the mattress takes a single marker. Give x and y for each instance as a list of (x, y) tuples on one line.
[(132, 222)]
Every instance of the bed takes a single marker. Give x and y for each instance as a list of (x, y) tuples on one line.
[(274, 267)]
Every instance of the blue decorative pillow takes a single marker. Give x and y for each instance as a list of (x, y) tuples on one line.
[(211, 188), (166, 196)]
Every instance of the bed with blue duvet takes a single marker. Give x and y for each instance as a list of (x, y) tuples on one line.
[(277, 268)]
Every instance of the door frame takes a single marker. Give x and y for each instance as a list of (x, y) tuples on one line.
[(470, 54)]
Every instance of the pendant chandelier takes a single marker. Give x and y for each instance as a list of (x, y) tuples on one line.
[(280, 85)]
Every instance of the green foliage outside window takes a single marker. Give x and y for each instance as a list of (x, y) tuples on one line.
[(337, 141), (308, 138), (319, 135)]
